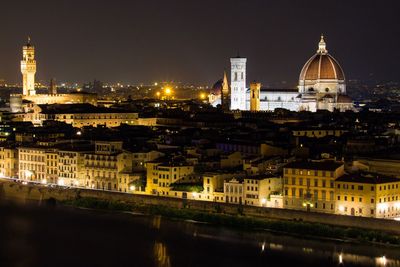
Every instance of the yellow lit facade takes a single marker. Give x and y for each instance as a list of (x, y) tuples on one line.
[(310, 186), (8, 162), (160, 176), (368, 195)]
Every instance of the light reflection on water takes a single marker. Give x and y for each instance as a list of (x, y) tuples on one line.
[(46, 236), (161, 256), (364, 255)]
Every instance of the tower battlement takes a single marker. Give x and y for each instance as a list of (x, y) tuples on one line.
[(28, 69)]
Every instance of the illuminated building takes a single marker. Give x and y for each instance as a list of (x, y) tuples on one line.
[(368, 195), (233, 190), (255, 96), (79, 115), (309, 186), (160, 176), (238, 83), (28, 70), (34, 165), (213, 184), (8, 161), (322, 85), (263, 190)]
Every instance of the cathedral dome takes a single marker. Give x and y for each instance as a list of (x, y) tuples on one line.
[(322, 66), (217, 87)]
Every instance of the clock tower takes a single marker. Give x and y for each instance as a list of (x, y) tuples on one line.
[(238, 83), (28, 69)]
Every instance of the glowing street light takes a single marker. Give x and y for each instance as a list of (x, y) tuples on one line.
[(202, 96), (132, 188), (168, 91)]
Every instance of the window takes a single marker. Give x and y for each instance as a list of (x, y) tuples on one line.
[(352, 199), (293, 192), (315, 183), (338, 197)]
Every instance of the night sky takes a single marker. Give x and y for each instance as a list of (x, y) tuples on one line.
[(191, 41)]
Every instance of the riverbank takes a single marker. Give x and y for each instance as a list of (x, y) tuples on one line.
[(291, 227)]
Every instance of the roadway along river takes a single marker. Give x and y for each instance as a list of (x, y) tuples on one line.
[(31, 236)]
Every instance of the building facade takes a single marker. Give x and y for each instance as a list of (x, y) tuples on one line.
[(322, 85), (309, 186)]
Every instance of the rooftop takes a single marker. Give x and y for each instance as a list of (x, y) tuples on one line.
[(314, 165), (367, 178)]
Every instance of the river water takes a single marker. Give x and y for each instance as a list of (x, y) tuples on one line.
[(32, 236)]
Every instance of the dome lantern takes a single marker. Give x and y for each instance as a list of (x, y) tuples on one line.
[(322, 46)]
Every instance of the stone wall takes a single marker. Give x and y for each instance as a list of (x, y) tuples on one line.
[(26, 193)]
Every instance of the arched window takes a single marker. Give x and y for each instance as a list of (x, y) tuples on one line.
[(327, 89), (236, 76)]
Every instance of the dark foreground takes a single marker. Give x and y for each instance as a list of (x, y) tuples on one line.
[(32, 236)]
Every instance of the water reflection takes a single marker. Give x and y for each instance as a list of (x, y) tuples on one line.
[(162, 259), (161, 242)]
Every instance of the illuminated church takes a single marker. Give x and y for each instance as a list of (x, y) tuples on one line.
[(22, 102), (322, 86)]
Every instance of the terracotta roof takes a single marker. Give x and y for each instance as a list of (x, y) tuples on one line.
[(344, 99), (321, 66)]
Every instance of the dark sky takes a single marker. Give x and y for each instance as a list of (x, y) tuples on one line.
[(192, 40)]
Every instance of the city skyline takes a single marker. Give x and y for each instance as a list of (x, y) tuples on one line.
[(192, 43)]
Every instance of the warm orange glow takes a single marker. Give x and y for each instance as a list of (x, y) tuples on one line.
[(168, 91)]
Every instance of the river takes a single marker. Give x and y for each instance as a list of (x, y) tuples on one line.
[(60, 236)]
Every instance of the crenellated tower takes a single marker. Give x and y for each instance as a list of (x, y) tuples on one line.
[(28, 69)]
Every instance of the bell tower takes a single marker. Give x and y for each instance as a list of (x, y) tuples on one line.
[(28, 69), (255, 88), (238, 83)]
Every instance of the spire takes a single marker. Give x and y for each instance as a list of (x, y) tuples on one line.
[(322, 46), (225, 82), (29, 41)]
